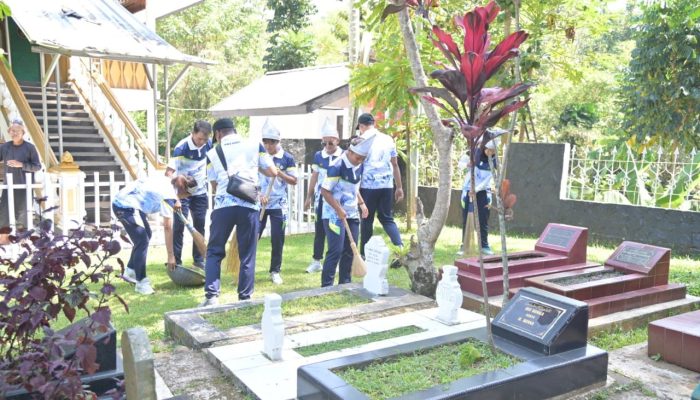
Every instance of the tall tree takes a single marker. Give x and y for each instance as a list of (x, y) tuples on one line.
[(230, 32), (662, 93), (290, 45)]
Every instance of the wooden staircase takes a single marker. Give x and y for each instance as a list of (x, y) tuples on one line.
[(81, 138)]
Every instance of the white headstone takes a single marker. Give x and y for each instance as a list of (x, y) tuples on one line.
[(273, 327), (377, 261), (448, 296)]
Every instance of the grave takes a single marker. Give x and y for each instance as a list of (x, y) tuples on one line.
[(559, 248), (677, 340), (191, 329), (634, 276), (110, 369), (545, 331), (263, 378)]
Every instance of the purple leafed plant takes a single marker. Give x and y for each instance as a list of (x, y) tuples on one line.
[(52, 275)]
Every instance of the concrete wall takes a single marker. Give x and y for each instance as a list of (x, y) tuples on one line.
[(536, 171)]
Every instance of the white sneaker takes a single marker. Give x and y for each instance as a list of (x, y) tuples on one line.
[(315, 266), (211, 301), (129, 275), (460, 252), (486, 251), (144, 287), (276, 278)]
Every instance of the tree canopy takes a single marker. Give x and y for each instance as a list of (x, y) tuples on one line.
[(661, 95)]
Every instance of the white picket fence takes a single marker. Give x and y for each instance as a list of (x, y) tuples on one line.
[(51, 187)]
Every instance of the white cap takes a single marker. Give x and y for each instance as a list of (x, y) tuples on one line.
[(269, 131), (363, 147), (328, 129)]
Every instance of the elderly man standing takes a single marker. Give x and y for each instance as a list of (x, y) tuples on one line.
[(190, 159), (19, 157), (381, 172), (243, 158)]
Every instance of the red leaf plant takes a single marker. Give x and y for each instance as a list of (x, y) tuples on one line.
[(472, 106)]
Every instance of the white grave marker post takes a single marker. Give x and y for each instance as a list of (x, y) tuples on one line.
[(273, 327), (377, 260), (448, 296)]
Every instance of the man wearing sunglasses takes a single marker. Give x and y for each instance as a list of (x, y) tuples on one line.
[(322, 159), (276, 203)]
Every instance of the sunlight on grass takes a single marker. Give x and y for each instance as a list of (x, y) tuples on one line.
[(147, 311), (355, 341), (252, 314), (421, 370)]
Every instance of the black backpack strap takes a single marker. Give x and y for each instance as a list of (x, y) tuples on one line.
[(222, 158)]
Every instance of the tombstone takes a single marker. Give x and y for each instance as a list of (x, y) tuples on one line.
[(273, 327), (377, 261), (448, 296), (542, 321), (139, 375)]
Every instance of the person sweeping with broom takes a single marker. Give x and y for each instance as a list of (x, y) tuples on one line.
[(341, 218), (482, 185), (149, 196), (232, 170), (276, 202)]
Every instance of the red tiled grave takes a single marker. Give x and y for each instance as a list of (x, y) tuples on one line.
[(559, 248), (634, 276), (677, 340)]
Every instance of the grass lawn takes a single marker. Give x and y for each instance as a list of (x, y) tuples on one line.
[(253, 314), (421, 370), (147, 311)]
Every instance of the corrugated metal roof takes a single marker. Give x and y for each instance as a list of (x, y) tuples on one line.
[(296, 91), (93, 28)]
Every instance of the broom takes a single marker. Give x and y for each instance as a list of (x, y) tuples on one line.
[(359, 269), (197, 237), (469, 243), (233, 262)]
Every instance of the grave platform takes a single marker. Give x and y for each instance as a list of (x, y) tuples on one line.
[(677, 340), (189, 328), (559, 248), (277, 380), (544, 331), (635, 275)]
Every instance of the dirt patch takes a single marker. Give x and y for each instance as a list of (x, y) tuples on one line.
[(187, 372), (589, 277)]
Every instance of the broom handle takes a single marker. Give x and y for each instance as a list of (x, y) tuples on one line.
[(348, 233), (267, 194), (180, 217)]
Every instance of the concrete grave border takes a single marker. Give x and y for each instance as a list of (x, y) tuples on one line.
[(187, 327), (537, 376)]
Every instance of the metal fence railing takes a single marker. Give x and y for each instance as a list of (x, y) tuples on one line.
[(653, 178), (49, 191)]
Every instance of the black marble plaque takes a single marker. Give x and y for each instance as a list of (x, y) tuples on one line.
[(543, 321), (636, 255), (531, 317), (558, 236)]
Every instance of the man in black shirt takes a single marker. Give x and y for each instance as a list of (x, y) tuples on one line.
[(19, 157)]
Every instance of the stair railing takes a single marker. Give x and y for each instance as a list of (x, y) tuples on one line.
[(126, 161), (126, 136), (14, 105)]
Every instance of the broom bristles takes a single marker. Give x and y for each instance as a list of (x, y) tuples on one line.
[(359, 269), (470, 246), (233, 263), (200, 243)]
